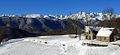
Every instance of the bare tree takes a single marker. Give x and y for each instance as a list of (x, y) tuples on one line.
[(110, 13)]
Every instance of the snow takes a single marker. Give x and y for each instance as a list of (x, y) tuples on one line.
[(54, 45), (30, 48), (83, 36), (87, 28), (106, 32), (116, 43), (34, 16)]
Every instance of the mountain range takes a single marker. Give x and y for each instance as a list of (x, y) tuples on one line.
[(32, 25)]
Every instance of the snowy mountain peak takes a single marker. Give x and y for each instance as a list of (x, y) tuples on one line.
[(34, 16), (81, 15)]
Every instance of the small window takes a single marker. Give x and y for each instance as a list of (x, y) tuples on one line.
[(100, 38), (89, 32), (104, 38), (89, 38)]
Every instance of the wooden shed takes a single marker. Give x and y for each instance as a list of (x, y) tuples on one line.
[(107, 34)]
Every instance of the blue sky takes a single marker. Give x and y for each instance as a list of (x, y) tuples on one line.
[(54, 7)]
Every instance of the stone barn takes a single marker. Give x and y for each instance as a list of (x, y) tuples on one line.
[(107, 34)]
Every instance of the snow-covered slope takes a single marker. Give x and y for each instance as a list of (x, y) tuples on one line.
[(54, 45), (29, 48)]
